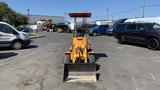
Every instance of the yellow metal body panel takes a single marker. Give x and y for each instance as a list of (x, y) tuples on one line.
[(79, 49)]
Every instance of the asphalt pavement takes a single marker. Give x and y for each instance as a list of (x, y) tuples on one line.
[(40, 65)]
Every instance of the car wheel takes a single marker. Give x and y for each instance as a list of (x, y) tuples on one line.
[(94, 34), (16, 45), (152, 44), (121, 39)]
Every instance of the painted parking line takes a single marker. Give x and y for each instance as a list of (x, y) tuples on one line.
[(153, 76)]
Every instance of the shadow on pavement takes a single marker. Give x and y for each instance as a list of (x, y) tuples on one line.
[(30, 47), (25, 47), (97, 69), (137, 45), (134, 44), (100, 55), (7, 55), (97, 57)]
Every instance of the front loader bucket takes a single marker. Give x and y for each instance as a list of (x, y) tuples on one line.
[(80, 73)]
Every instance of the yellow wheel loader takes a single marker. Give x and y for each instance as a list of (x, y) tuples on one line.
[(79, 65)]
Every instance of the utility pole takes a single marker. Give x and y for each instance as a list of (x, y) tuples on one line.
[(107, 13), (28, 10), (143, 9), (65, 17), (112, 18)]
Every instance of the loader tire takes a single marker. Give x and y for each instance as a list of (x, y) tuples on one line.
[(67, 59), (92, 58)]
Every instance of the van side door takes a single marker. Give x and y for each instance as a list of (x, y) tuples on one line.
[(6, 35)]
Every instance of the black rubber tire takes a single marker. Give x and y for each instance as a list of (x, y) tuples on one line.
[(92, 58), (16, 45), (121, 39), (152, 43), (67, 59)]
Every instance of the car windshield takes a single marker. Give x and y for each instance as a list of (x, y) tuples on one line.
[(26, 30), (96, 27), (153, 26)]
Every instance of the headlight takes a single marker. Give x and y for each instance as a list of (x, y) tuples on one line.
[(26, 36)]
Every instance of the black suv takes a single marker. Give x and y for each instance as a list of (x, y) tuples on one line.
[(143, 33)]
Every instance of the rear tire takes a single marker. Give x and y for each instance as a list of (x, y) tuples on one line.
[(92, 58), (121, 39), (16, 45), (152, 44)]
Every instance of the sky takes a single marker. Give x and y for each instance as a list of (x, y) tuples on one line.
[(98, 8)]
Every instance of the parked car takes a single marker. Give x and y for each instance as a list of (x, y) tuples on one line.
[(11, 37), (97, 30), (28, 30), (63, 27), (143, 33), (109, 31)]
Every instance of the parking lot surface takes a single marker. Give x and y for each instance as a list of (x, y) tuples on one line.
[(40, 65)]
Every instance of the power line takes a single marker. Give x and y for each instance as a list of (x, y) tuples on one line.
[(154, 5), (129, 10), (134, 9), (126, 11)]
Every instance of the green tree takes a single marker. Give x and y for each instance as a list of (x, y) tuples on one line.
[(9, 15)]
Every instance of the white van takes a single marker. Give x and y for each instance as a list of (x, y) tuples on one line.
[(10, 37)]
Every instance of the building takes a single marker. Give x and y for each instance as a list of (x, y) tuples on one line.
[(104, 22), (34, 19)]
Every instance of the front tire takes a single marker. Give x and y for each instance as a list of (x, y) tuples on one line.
[(152, 44), (67, 59), (92, 58), (16, 45), (121, 39)]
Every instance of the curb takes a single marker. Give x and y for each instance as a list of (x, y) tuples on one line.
[(38, 36)]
